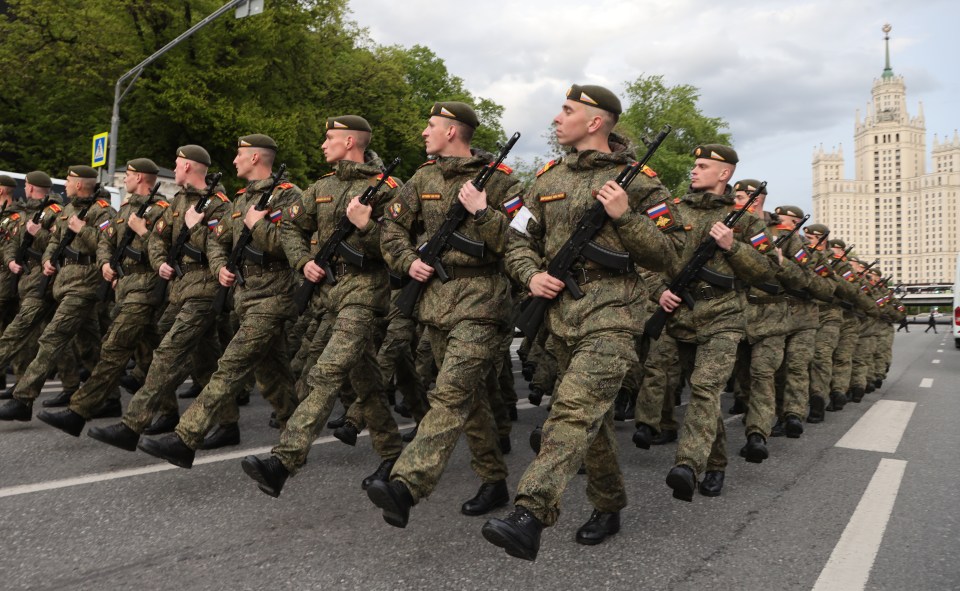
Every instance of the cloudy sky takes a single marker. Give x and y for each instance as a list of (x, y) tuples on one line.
[(786, 75)]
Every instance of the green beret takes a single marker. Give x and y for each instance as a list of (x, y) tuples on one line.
[(789, 210), (82, 171), (348, 123), (749, 186), (195, 153), (257, 140), (144, 165), (38, 178), (817, 230), (457, 111), (874, 270), (717, 152), (7, 181), (837, 243), (595, 96)]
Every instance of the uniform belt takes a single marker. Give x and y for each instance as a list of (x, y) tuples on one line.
[(845, 305), (273, 266), (341, 268), (190, 267), (457, 272), (765, 299), (582, 275), (137, 268), (796, 293), (709, 292), (34, 255), (71, 256)]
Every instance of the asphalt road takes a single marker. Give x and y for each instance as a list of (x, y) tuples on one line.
[(75, 514)]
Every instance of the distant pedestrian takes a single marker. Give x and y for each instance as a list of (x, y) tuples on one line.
[(903, 324), (931, 323)]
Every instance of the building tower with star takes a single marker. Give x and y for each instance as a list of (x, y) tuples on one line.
[(893, 209)]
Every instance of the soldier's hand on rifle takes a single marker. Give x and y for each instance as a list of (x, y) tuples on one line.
[(138, 225), (48, 269), (722, 235), (358, 213), (226, 278), (420, 271), (472, 199), (14, 267), (614, 199), (32, 228), (545, 285), (253, 216), (670, 301), (108, 273), (166, 271), (314, 272), (75, 223), (192, 217)]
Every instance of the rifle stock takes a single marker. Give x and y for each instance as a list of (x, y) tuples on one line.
[(116, 261)]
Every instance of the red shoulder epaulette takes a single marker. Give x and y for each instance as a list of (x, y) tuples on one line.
[(223, 197), (103, 203), (505, 169), (677, 200), (162, 203), (241, 190), (649, 171), (55, 207), (427, 163), (390, 181), (285, 186), (14, 216), (547, 167)]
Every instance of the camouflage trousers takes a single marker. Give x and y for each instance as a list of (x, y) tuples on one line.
[(73, 316), (703, 439), (499, 398), (863, 356), (661, 375), (458, 404), (580, 429), (258, 348), (884, 353), (18, 343), (350, 354), (821, 368), (133, 326), (757, 369), (843, 354), (545, 354), (793, 383), (395, 359), (193, 329)]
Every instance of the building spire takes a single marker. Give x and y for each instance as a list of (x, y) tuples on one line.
[(887, 72)]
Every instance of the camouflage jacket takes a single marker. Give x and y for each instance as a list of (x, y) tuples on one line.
[(766, 302), (421, 208), (197, 280), (803, 313), (319, 210), (268, 287), (564, 190), (140, 278), (16, 226), (80, 279)]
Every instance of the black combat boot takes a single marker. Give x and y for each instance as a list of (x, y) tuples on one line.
[(739, 407), (490, 496), (130, 383), (505, 446), (777, 430), (666, 436), (402, 410), (856, 394), (837, 401), (793, 427), (222, 436), (518, 533), (193, 392), (337, 422), (623, 406), (536, 438), (381, 473), (66, 420), (598, 528), (712, 483), (118, 435), (243, 398), (270, 474), (527, 370), (643, 436), (394, 499), (409, 435), (109, 409), (162, 424), (869, 389), (755, 450), (817, 406), (512, 412), (14, 410), (347, 433), (683, 482), (60, 400), (8, 393), (171, 448), (535, 397)]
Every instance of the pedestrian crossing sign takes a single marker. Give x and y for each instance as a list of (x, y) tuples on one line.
[(99, 150)]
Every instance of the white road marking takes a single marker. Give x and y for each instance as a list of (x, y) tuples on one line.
[(939, 350), (848, 568), (880, 428), (926, 383), (935, 361)]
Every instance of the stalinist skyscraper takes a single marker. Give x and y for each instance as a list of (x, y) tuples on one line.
[(894, 209)]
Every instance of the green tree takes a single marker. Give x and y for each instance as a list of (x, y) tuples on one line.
[(652, 104)]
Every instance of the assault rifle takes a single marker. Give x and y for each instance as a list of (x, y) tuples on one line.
[(336, 245), (22, 257), (691, 271), (782, 238), (846, 251), (176, 247), (116, 261), (867, 268), (235, 260), (448, 237), (68, 236), (581, 244)]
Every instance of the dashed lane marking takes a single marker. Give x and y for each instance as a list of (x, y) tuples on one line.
[(880, 428), (926, 383)]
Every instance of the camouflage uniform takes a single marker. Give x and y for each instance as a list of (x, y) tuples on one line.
[(357, 305), (135, 322), (74, 287), (263, 304), (189, 302), (594, 336), (661, 375), (849, 329), (828, 333), (464, 317), (395, 359)]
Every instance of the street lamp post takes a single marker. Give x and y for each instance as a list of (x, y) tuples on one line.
[(119, 90)]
